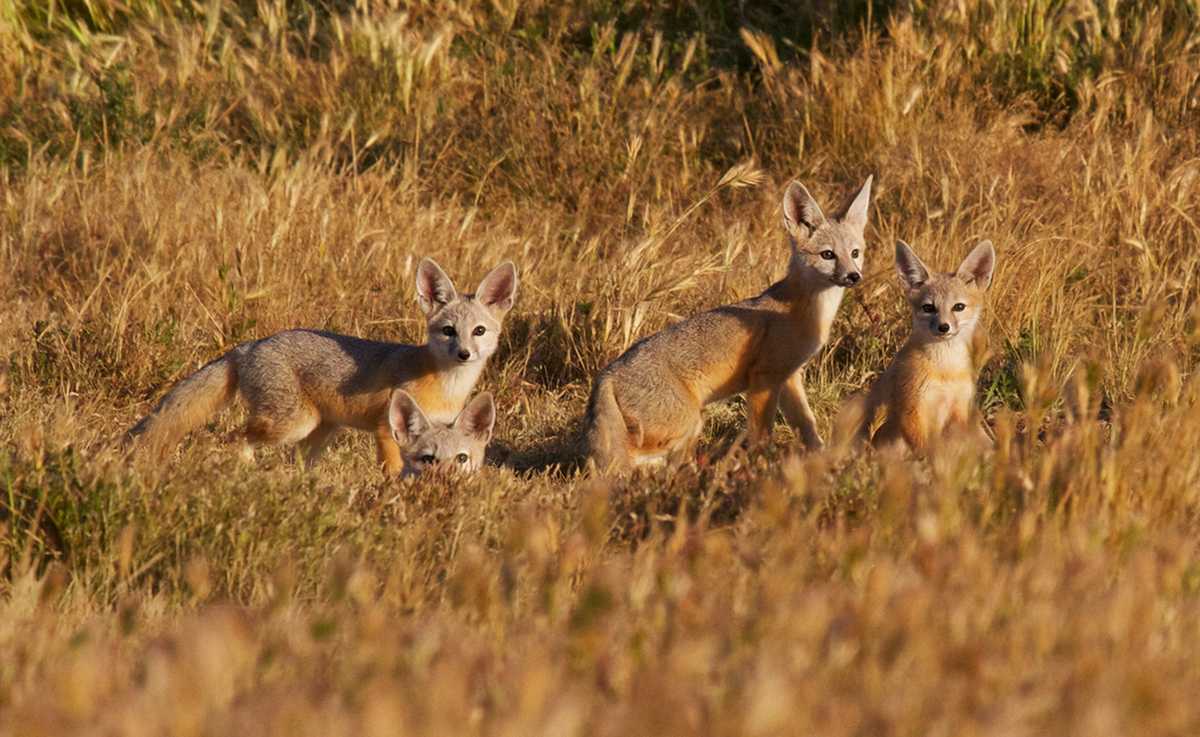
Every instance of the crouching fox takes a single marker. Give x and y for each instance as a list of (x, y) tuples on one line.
[(427, 444)]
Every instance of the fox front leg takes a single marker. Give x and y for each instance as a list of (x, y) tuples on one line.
[(763, 403), (793, 400), (388, 451)]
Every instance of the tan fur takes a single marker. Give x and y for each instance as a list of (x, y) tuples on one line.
[(646, 405), (928, 390), (302, 386)]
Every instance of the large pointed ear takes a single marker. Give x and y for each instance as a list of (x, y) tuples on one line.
[(405, 417), (977, 267), (801, 213), (434, 288), (498, 290), (478, 417), (912, 271), (856, 212)]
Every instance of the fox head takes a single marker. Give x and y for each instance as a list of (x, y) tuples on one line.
[(827, 249), (465, 328), (946, 305), (425, 444)]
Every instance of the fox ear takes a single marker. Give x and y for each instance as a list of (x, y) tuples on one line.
[(801, 213), (434, 288), (405, 417), (977, 267), (912, 271), (478, 417), (856, 211), (498, 290)]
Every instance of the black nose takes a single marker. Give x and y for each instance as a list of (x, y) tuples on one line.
[(464, 355), (853, 277), (944, 327)]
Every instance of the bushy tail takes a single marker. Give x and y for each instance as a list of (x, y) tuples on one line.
[(607, 431), (187, 405)]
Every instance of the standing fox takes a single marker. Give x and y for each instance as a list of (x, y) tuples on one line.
[(929, 389), (427, 444), (301, 386), (646, 405)]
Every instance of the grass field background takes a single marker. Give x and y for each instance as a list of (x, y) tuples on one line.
[(176, 178)]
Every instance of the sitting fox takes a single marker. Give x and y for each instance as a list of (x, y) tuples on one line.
[(302, 386), (427, 444), (929, 389), (646, 405)]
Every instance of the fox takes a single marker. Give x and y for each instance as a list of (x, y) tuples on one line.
[(427, 444), (928, 391), (646, 406), (302, 386)]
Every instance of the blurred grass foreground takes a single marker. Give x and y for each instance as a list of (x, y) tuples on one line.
[(178, 177)]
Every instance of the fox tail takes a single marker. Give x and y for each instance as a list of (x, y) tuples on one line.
[(607, 431), (188, 404)]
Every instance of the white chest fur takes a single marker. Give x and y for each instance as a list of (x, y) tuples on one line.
[(948, 392), (946, 402), (826, 307), (457, 384), (820, 315)]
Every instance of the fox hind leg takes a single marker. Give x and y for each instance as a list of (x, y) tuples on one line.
[(278, 412), (317, 441), (684, 448), (286, 429), (669, 430), (638, 423)]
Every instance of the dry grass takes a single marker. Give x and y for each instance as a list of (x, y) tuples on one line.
[(177, 180)]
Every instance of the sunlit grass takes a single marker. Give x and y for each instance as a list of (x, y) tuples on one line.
[(178, 178)]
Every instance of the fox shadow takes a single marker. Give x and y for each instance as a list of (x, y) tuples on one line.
[(564, 454), (560, 456)]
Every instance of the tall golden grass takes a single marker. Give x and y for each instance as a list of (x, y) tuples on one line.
[(177, 178)]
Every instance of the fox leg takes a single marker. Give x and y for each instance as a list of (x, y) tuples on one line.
[(245, 448), (279, 428), (652, 423), (683, 450), (914, 433), (278, 411), (762, 400), (793, 400), (388, 451), (673, 452), (316, 443)]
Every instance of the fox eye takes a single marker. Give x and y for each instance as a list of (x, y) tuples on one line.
[(478, 331), (427, 458), (928, 309), (959, 307), (449, 331), (462, 458), (828, 255), (854, 253)]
